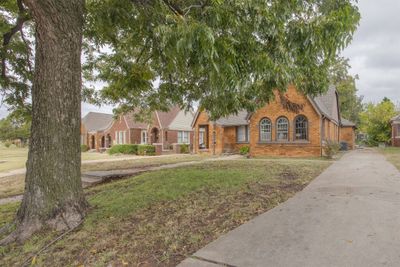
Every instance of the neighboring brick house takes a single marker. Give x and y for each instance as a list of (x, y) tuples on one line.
[(348, 133), (395, 122), (92, 130), (273, 129), (165, 129)]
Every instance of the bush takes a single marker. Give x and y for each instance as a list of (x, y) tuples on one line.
[(244, 150), (84, 148), (123, 149), (184, 148), (331, 148), (7, 144), (148, 150)]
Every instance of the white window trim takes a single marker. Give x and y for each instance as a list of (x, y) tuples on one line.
[(143, 141), (183, 137), (246, 134)]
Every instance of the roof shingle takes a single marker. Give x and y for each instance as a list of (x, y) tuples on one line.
[(95, 121)]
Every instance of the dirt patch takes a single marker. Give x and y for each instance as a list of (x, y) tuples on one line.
[(288, 175)]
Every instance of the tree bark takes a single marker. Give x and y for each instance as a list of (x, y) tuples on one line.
[(53, 192)]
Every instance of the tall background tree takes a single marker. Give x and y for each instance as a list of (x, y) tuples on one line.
[(375, 121), (351, 104), (225, 55)]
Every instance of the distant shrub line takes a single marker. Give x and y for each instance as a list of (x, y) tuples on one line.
[(133, 149)]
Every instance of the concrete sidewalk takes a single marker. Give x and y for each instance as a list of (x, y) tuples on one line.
[(23, 170), (348, 216)]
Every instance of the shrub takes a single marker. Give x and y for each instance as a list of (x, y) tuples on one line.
[(184, 149), (331, 148), (84, 148), (7, 144), (244, 150), (148, 150), (123, 149)]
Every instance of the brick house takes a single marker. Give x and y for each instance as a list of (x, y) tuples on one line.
[(273, 129), (165, 129), (93, 126), (348, 133), (395, 122)]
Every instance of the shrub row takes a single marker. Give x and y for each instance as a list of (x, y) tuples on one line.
[(149, 150)]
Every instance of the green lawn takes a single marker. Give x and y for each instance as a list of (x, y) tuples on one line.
[(14, 185), (157, 218), (12, 158), (15, 158), (392, 154)]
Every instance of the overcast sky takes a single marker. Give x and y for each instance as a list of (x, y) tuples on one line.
[(374, 53)]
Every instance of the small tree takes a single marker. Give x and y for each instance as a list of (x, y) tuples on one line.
[(375, 121)]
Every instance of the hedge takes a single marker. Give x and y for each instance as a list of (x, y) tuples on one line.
[(148, 150), (123, 149)]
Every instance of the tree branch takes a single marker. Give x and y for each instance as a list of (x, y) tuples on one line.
[(173, 8), (28, 51), (21, 19)]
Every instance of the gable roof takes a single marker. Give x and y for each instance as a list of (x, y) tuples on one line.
[(396, 118), (347, 123), (166, 118), (328, 104), (95, 121), (234, 120), (182, 121), (132, 123)]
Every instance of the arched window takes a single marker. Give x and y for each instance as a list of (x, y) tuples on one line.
[(265, 130), (301, 128), (282, 129)]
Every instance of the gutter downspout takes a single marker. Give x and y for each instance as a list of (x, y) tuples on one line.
[(214, 137), (322, 133)]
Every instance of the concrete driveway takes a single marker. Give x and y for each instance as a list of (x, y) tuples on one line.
[(348, 216)]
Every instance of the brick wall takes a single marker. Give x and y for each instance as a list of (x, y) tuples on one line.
[(274, 110), (348, 135), (117, 126), (395, 135)]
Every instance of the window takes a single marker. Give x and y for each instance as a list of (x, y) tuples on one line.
[(301, 128), (242, 134), (282, 129), (265, 130), (143, 137), (120, 137), (183, 137)]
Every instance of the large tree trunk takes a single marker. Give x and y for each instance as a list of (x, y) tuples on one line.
[(53, 192)]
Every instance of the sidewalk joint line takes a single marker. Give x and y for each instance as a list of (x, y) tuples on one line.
[(211, 261)]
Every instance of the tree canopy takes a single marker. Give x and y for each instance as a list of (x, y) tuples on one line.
[(350, 103), (224, 55)]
